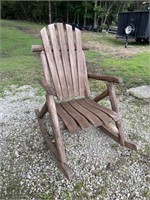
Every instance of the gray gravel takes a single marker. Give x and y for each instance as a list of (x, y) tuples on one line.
[(104, 169)]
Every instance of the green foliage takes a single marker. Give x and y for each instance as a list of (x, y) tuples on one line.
[(100, 11), (104, 26), (66, 11)]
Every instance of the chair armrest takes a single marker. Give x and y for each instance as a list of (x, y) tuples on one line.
[(105, 78), (46, 86)]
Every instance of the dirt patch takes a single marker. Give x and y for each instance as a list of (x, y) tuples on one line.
[(35, 32), (118, 51)]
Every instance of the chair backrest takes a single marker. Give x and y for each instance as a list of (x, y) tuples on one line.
[(65, 60)]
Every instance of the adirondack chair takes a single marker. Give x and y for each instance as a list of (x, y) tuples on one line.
[(65, 77)]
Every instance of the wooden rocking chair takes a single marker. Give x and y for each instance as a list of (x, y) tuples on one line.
[(65, 76)]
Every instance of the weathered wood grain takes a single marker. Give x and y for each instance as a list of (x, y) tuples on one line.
[(65, 59), (101, 96), (39, 48), (80, 66), (67, 171), (109, 112), (47, 87), (43, 111), (114, 105), (116, 138), (105, 78), (55, 126), (58, 60), (90, 116), (104, 118), (80, 119), (51, 63), (73, 62), (67, 119), (86, 81), (45, 67)]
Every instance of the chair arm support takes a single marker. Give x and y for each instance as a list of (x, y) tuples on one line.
[(105, 78), (101, 96), (46, 86)]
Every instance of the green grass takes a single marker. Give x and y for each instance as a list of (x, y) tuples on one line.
[(135, 71), (22, 25), (18, 64)]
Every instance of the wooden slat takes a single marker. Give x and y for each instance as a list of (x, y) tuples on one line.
[(80, 66), (82, 121), (109, 112), (51, 63), (100, 114), (86, 113), (67, 119), (58, 60), (72, 56), (86, 84), (65, 58), (45, 67)]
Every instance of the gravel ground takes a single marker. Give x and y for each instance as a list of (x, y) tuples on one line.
[(104, 169)]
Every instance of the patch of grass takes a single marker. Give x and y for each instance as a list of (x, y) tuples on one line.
[(18, 65), (22, 25), (78, 185), (135, 71), (102, 38), (114, 146), (146, 193), (147, 149), (40, 92)]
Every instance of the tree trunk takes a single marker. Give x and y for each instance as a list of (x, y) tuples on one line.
[(56, 11), (78, 21), (85, 14), (95, 14), (49, 11), (74, 21), (107, 12), (67, 12)]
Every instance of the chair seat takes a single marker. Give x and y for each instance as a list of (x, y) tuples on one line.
[(83, 113)]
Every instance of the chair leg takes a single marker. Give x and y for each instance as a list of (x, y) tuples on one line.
[(43, 111), (120, 137), (114, 105), (110, 132), (56, 129), (67, 171)]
